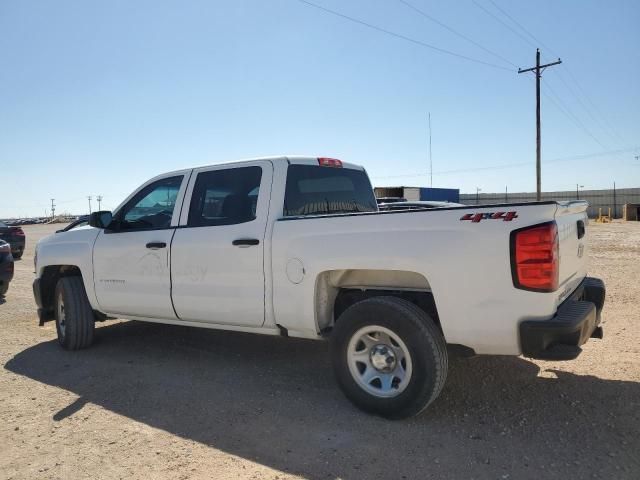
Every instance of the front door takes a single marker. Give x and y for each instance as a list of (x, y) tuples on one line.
[(131, 256), (217, 254)]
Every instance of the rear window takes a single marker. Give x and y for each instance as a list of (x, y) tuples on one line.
[(313, 190)]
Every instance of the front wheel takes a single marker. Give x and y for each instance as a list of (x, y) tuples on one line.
[(75, 322), (389, 357)]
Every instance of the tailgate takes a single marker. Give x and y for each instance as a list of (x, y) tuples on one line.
[(571, 218)]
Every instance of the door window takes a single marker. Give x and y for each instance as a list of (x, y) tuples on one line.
[(152, 208), (225, 197)]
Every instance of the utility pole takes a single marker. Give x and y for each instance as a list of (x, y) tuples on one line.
[(430, 157), (99, 199), (53, 209), (538, 69), (89, 198), (506, 195), (614, 200), (478, 190), (577, 192)]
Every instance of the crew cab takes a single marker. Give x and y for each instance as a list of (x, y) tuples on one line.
[(296, 246)]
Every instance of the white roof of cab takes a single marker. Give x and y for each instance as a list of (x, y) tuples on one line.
[(291, 159)]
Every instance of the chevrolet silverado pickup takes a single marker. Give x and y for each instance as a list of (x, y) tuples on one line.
[(296, 246)]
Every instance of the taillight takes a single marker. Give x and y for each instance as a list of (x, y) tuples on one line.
[(10, 267), (535, 262), (329, 162), (18, 231)]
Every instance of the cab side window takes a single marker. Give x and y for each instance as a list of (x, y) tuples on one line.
[(152, 208), (225, 197)]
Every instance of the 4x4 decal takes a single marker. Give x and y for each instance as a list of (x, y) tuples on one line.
[(476, 217)]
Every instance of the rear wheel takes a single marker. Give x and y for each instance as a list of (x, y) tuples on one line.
[(75, 323), (389, 357), (17, 255)]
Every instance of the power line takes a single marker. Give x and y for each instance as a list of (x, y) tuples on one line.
[(515, 165), (585, 108), (601, 120), (70, 201), (504, 24), (402, 37), (443, 25), (602, 117), (538, 42), (565, 109)]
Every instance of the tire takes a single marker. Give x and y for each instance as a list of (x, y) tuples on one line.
[(4, 288), (398, 371), (17, 255), (75, 323)]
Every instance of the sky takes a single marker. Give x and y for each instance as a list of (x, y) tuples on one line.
[(98, 97)]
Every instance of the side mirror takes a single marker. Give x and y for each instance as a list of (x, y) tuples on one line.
[(100, 219)]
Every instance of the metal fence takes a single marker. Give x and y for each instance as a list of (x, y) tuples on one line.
[(597, 199)]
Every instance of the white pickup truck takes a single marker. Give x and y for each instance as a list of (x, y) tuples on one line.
[(296, 246)]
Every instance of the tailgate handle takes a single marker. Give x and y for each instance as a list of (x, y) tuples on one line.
[(581, 228), (156, 245)]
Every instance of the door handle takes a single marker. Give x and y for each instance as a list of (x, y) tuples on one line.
[(245, 242), (156, 245)]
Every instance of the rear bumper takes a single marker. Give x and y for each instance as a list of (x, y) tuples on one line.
[(577, 320), (17, 244), (6, 268), (5, 277)]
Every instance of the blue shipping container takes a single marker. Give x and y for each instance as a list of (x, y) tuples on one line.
[(440, 194)]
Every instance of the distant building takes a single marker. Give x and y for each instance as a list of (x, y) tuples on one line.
[(598, 199), (414, 194)]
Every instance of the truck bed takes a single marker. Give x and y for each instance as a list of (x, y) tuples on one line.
[(460, 254)]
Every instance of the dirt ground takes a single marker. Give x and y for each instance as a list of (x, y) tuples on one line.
[(152, 401)]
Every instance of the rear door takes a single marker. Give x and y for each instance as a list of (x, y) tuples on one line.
[(217, 254)]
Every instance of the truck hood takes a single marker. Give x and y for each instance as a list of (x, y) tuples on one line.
[(81, 234)]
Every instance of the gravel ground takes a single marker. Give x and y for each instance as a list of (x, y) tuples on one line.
[(152, 401)]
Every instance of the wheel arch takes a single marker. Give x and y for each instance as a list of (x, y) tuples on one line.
[(337, 290), (48, 280)]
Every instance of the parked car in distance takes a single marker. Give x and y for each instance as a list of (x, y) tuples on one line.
[(395, 206), (6, 267), (15, 237), (297, 247)]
